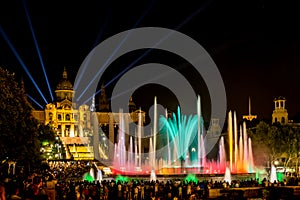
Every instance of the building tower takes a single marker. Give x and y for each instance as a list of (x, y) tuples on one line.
[(64, 89), (280, 114), (249, 117), (131, 105), (103, 102)]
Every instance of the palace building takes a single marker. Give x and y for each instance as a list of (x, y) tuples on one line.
[(86, 133)]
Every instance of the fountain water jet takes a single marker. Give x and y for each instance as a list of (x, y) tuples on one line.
[(185, 147), (273, 175), (242, 162), (227, 176)]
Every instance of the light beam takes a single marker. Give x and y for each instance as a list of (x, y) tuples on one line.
[(95, 44), (149, 50), (115, 51), (21, 62), (32, 99), (37, 48)]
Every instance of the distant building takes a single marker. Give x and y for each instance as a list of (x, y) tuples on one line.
[(74, 125), (280, 113)]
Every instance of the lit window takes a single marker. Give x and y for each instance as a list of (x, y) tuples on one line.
[(67, 117)]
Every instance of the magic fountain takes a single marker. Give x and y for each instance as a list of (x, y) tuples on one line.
[(184, 149)]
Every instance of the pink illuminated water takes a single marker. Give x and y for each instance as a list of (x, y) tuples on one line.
[(129, 159)]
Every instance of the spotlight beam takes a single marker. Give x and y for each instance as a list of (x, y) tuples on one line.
[(195, 13), (21, 63), (32, 99), (124, 92), (94, 45), (37, 48), (116, 50), (130, 89), (102, 28), (186, 20)]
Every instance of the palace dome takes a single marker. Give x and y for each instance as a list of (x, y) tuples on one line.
[(64, 84)]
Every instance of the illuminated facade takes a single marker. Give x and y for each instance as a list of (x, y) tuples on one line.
[(75, 127)]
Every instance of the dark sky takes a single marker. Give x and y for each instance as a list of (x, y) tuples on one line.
[(255, 44)]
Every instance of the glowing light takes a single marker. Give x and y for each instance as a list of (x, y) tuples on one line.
[(122, 179), (37, 48), (22, 63), (88, 177), (191, 178), (280, 176)]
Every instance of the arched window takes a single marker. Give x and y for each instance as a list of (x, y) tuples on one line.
[(59, 117), (275, 120), (281, 104), (50, 116), (277, 104), (67, 117), (283, 120)]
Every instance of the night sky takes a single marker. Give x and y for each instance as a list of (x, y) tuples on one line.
[(255, 44)]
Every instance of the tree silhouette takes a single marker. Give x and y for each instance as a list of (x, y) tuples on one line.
[(18, 128)]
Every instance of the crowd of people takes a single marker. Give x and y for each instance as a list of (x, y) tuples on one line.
[(64, 180)]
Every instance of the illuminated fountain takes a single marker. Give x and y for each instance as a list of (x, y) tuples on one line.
[(241, 158), (181, 131), (227, 176), (273, 175), (184, 147), (129, 161)]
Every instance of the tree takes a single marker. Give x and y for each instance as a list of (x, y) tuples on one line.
[(18, 128), (276, 142), (267, 143), (259, 136), (50, 142), (289, 145), (46, 133), (297, 159)]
